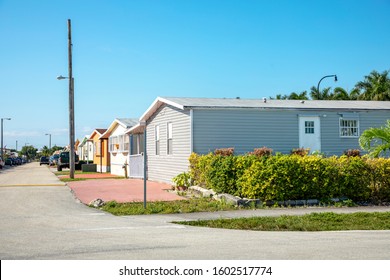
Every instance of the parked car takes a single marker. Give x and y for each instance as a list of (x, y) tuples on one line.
[(9, 162), (63, 160), (1, 163), (44, 160), (53, 159), (17, 161)]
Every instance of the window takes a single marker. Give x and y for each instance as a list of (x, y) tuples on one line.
[(126, 143), (98, 148), (120, 142), (309, 127), (137, 144), (349, 127), (157, 138), (113, 144), (169, 138)]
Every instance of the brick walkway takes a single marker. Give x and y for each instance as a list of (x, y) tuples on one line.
[(121, 190)]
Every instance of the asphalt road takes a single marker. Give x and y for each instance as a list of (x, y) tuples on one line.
[(41, 219)]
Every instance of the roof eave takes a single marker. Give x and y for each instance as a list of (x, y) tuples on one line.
[(158, 102)]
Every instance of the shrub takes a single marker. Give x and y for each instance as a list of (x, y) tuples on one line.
[(300, 151), (294, 177), (354, 178), (182, 180), (380, 179), (224, 152), (352, 153), (261, 152), (199, 166), (221, 175)]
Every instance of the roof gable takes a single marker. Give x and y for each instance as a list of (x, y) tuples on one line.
[(124, 122), (98, 131)]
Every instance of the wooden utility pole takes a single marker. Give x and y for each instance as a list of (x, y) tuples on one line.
[(71, 106)]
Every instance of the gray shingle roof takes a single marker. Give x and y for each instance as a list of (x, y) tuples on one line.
[(187, 102), (226, 103), (128, 122)]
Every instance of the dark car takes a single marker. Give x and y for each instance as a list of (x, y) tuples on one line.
[(44, 160), (53, 159), (63, 160)]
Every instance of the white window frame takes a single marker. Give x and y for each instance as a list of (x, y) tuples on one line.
[(126, 143), (113, 144), (349, 127), (169, 138)]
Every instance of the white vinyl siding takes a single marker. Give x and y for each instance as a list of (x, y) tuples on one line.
[(164, 167)]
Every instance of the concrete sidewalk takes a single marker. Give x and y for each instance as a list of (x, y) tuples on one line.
[(29, 174)]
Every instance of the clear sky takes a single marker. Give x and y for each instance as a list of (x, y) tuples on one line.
[(128, 52)]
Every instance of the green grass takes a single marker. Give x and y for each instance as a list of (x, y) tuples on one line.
[(72, 180), (66, 172), (309, 222), (167, 207)]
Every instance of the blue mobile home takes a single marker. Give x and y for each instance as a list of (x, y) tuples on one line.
[(176, 127)]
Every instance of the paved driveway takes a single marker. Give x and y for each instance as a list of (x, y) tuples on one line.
[(44, 221), (121, 190)]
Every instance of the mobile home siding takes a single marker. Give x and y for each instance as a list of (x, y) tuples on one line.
[(332, 143), (245, 129), (164, 167), (119, 159)]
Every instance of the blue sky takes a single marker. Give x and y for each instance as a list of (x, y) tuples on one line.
[(126, 53)]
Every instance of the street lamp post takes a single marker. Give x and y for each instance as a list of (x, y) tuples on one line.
[(2, 147), (49, 140), (71, 105), (327, 76)]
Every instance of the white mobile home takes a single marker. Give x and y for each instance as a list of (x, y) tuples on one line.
[(119, 145)]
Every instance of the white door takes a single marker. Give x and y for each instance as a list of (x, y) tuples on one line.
[(310, 133)]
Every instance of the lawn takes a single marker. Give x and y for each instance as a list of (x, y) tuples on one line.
[(81, 176), (310, 222), (167, 207)]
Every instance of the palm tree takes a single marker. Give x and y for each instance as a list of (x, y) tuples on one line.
[(323, 94), (376, 86), (300, 96), (293, 96), (376, 140), (341, 94)]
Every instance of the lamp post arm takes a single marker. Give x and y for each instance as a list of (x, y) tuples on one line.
[(327, 76)]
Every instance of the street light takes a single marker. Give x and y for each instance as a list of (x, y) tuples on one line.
[(2, 148), (318, 86), (49, 140), (71, 104)]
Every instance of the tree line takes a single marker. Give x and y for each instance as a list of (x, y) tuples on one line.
[(375, 86)]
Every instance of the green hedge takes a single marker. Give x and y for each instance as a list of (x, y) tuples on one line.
[(293, 177)]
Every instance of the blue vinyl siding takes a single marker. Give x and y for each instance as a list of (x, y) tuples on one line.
[(245, 129)]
